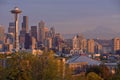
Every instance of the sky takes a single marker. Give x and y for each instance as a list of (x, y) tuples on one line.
[(67, 16)]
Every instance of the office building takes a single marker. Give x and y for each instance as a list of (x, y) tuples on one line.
[(28, 41), (46, 32), (98, 48), (23, 31), (116, 44), (11, 28), (10, 47), (79, 43), (52, 32), (1, 46), (9, 38), (34, 32), (106, 45), (58, 42), (2, 33), (33, 42), (41, 32), (25, 24), (48, 43), (90, 46)]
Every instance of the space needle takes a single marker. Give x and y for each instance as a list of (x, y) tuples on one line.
[(16, 11)]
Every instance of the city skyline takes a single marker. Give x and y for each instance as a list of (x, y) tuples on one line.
[(67, 16), (72, 39)]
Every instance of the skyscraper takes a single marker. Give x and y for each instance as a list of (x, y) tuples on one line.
[(11, 28), (2, 31), (79, 42), (98, 48), (25, 24), (52, 32), (46, 32), (58, 42), (34, 32), (23, 31), (84, 45), (41, 32), (33, 40), (90, 46), (48, 43), (28, 41), (75, 44), (116, 44)]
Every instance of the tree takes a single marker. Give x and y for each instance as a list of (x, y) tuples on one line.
[(2, 73), (101, 70), (17, 67), (45, 67), (2, 66), (117, 75), (25, 66), (93, 76)]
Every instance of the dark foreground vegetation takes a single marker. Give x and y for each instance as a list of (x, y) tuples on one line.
[(25, 66)]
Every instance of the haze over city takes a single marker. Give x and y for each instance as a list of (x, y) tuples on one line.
[(59, 40), (67, 16)]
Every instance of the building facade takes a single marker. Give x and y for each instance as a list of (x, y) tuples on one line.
[(11, 28), (41, 32), (34, 32), (25, 24), (33, 43), (2, 33), (23, 31), (90, 46), (79, 43), (28, 41), (116, 44)]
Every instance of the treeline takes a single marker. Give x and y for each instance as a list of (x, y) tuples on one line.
[(25, 66)]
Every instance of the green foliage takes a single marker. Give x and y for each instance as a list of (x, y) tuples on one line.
[(17, 67), (95, 69), (93, 76), (117, 75), (118, 69), (101, 70), (2, 56), (25, 66), (2, 70)]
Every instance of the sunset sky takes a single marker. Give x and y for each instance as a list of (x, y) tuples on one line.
[(67, 16)]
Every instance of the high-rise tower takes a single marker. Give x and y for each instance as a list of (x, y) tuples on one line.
[(41, 32), (2, 30), (52, 32), (25, 24), (116, 44), (16, 11), (79, 42), (34, 32), (24, 31), (11, 28), (90, 46)]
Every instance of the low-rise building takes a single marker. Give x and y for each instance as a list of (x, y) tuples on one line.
[(79, 64)]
